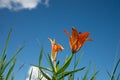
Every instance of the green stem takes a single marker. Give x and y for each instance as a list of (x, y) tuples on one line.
[(75, 62), (55, 66), (74, 65)]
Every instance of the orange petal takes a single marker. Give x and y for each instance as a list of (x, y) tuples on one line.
[(59, 47), (75, 34), (89, 39), (51, 41), (83, 36), (67, 33)]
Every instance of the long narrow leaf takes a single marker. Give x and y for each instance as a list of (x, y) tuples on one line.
[(109, 74), (113, 74), (45, 75), (6, 44), (79, 58), (70, 72), (18, 51), (51, 64), (94, 76), (40, 57), (65, 66), (21, 66), (11, 69), (85, 76), (3, 56), (43, 68), (70, 77), (30, 78), (76, 62)]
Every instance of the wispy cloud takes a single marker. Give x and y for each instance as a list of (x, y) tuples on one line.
[(46, 3), (35, 73), (22, 4)]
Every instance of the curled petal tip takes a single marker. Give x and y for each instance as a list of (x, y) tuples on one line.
[(50, 40), (62, 48), (89, 39), (66, 32)]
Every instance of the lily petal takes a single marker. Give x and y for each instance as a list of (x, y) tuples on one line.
[(76, 39), (55, 49)]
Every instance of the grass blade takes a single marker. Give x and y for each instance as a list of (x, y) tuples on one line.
[(30, 78), (113, 74), (79, 58), (43, 68), (65, 66), (51, 64), (11, 69), (21, 66), (18, 51), (3, 56), (94, 76), (40, 57), (6, 43), (45, 75), (109, 74), (70, 72), (85, 76)]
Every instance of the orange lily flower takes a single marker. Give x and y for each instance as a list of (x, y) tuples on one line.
[(55, 49), (77, 39)]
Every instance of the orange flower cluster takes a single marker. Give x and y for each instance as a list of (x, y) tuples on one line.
[(55, 49), (76, 40)]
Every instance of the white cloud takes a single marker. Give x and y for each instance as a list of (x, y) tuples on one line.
[(35, 73), (22, 4), (46, 3)]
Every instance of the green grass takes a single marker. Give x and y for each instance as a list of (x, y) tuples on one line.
[(56, 71), (8, 64)]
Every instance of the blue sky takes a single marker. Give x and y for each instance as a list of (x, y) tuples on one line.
[(49, 18)]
